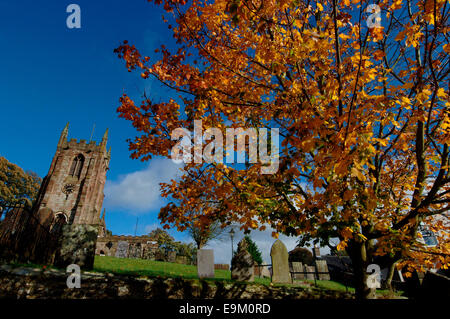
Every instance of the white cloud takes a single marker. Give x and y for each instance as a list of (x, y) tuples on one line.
[(139, 192), (149, 228)]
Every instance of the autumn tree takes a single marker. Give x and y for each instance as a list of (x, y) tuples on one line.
[(16, 184), (362, 108), (202, 234), (204, 229)]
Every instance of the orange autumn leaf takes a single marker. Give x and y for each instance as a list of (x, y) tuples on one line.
[(363, 120)]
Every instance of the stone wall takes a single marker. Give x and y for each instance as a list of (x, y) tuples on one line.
[(35, 283), (138, 246), (143, 247)]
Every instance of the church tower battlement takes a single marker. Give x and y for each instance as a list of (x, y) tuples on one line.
[(72, 191)]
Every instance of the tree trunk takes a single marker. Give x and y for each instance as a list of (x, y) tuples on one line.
[(358, 254), (390, 275), (362, 290)]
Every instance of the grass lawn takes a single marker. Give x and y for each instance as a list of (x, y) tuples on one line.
[(145, 267)]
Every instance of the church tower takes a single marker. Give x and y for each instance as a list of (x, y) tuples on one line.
[(72, 191)]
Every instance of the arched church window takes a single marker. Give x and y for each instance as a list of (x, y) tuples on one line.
[(77, 166)]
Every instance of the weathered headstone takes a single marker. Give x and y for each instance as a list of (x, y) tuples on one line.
[(181, 260), (265, 272), (297, 269), (310, 272), (242, 263), (257, 271), (205, 263), (149, 253), (78, 243), (171, 256), (322, 269), (280, 263), (122, 249), (159, 255), (134, 251)]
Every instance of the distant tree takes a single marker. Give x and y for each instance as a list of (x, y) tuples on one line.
[(16, 184), (186, 249), (163, 238), (167, 243), (108, 232), (303, 255), (202, 234), (254, 250)]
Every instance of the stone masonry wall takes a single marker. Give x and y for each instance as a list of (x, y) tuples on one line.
[(35, 283), (146, 246)]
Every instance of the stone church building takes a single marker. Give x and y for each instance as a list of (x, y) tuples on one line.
[(71, 196), (72, 191), (63, 224)]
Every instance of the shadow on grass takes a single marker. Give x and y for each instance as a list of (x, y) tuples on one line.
[(180, 281)]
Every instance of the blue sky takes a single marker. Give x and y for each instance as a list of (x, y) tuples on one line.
[(51, 75)]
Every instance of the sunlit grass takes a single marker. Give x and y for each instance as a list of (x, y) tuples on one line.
[(144, 267), (332, 285)]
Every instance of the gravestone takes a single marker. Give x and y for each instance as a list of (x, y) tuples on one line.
[(122, 249), (171, 256), (322, 267), (311, 272), (135, 251), (280, 263), (181, 260), (265, 272), (242, 264), (257, 271), (159, 255), (78, 243), (205, 263), (297, 268), (149, 253)]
